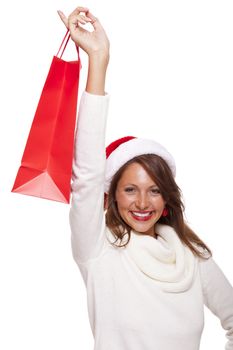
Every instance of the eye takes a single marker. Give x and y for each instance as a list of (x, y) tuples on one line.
[(155, 191), (129, 189)]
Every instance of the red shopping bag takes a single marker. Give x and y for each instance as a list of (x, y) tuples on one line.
[(46, 164)]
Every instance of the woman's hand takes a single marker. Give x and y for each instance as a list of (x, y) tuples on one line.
[(94, 43)]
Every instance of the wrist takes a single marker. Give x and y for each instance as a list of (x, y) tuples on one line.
[(96, 74), (99, 59)]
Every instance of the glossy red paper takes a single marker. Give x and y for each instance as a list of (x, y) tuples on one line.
[(46, 164)]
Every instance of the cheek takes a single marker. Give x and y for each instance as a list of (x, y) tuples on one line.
[(122, 200), (159, 203)]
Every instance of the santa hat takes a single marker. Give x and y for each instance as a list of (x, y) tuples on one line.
[(126, 148)]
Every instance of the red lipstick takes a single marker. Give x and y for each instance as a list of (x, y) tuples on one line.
[(141, 216)]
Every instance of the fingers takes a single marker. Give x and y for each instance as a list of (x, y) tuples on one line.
[(94, 21), (83, 19), (75, 17), (63, 18), (78, 10), (81, 15)]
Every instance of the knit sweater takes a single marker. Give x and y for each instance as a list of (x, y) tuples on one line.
[(149, 295)]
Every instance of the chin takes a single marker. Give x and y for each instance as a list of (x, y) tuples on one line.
[(144, 231)]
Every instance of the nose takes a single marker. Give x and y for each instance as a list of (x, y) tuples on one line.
[(142, 202)]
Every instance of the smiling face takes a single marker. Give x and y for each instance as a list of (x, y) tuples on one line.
[(139, 201)]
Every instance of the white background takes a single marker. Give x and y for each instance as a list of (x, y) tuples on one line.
[(170, 79)]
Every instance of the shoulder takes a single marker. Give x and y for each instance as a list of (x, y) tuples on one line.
[(211, 274)]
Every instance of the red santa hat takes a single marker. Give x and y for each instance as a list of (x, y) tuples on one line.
[(126, 148)]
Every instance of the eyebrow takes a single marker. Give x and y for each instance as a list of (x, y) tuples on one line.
[(131, 184)]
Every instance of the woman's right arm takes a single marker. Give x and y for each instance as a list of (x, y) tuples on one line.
[(87, 217)]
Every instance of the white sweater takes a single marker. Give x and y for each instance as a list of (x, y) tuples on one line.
[(151, 294)]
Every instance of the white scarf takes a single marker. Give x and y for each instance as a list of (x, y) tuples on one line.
[(166, 259)]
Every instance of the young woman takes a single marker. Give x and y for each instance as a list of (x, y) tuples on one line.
[(147, 274)]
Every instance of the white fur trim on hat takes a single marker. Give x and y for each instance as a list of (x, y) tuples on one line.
[(133, 148)]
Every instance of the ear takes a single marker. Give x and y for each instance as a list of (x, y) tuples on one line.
[(105, 201)]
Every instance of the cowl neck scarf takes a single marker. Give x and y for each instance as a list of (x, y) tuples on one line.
[(166, 259)]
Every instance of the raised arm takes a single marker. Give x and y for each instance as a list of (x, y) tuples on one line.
[(87, 218)]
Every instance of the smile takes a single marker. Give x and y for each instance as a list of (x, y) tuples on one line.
[(141, 216)]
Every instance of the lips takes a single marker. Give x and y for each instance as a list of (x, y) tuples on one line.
[(141, 216)]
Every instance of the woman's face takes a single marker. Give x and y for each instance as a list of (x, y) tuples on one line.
[(139, 201)]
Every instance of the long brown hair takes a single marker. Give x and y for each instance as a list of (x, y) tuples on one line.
[(161, 174)]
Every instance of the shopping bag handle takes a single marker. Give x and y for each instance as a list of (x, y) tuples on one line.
[(64, 44)]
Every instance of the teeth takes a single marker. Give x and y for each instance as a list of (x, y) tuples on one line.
[(141, 214)]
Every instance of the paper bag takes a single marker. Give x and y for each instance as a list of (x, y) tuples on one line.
[(46, 164)]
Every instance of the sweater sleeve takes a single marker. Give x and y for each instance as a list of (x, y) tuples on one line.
[(218, 296), (87, 219)]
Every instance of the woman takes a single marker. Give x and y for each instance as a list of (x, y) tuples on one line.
[(147, 274)]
